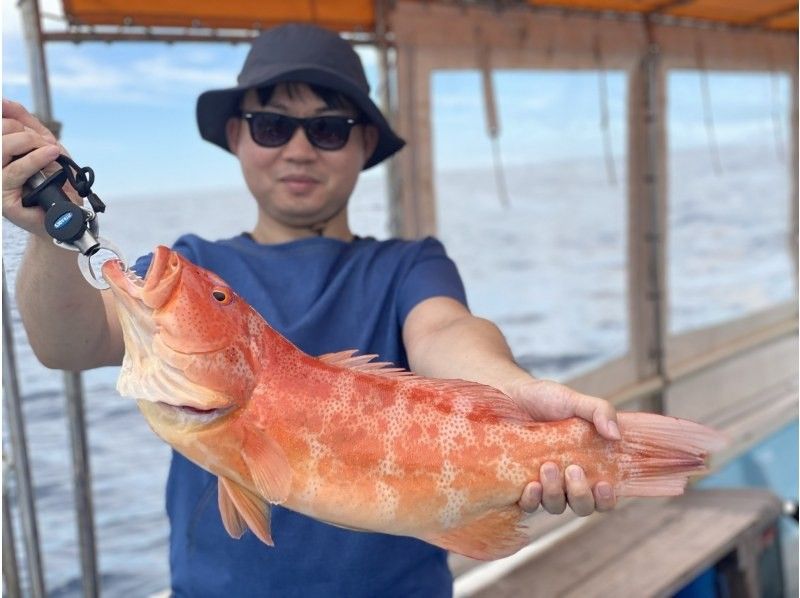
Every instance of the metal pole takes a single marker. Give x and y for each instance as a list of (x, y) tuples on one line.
[(10, 565), (82, 482), (793, 173), (37, 64), (19, 447), (387, 106), (72, 380)]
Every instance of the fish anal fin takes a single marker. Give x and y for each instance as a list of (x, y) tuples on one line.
[(491, 536), (269, 467), (234, 524), (249, 508)]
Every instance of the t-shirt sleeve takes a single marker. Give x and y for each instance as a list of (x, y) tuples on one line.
[(432, 274), (182, 246)]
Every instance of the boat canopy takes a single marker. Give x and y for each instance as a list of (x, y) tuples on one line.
[(360, 15)]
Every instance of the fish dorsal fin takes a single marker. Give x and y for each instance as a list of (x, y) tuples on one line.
[(363, 363), (486, 401), (238, 506), (269, 467), (491, 536)]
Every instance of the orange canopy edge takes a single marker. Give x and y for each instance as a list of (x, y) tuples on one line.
[(359, 15)]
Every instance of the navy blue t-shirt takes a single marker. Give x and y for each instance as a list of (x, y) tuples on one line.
[(324, 295)]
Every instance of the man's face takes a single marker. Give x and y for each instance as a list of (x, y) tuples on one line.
[(298, 184)]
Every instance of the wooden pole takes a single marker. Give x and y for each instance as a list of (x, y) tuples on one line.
[(646, 212)]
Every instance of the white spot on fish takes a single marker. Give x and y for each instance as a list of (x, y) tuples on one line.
[(450, 513), (508, 470), (388, 499)]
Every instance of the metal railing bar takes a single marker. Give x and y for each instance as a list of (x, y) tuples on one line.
[(19, 447), (11, 588), (82, 483)]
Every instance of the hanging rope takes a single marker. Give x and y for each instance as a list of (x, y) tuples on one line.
[(708, 115), (611, 171), (492, 122)]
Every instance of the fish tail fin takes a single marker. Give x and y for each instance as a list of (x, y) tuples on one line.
[(659, 453)]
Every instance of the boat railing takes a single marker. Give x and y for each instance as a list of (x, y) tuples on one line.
[(17, 463)]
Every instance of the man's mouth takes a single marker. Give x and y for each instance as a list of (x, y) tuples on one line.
[(299, 184)]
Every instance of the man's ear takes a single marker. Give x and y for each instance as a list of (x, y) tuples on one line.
[(370, 141), (233, 129)]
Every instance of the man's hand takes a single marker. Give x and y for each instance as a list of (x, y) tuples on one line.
[(549, 401), (27, 148)]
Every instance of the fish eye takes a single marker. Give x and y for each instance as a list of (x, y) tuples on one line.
[(223, 296)]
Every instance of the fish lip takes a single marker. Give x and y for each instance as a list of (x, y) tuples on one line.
[(155, 270), (144, 292), (119, 276), (194, 414)]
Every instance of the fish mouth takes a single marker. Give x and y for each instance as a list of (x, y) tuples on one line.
[(148, 373), (151, 291), (194, 414)]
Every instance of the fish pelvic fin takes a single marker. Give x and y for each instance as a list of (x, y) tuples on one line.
[(269, 467), (658, 453), (494, 535), (241, 509)]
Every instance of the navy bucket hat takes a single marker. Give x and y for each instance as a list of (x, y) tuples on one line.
[(305, 54)]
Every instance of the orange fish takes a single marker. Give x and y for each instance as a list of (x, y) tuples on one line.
[(352, 442)]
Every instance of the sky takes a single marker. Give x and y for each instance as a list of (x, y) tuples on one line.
[(127, 110)]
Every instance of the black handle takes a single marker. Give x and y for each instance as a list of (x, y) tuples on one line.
[(64, 221)]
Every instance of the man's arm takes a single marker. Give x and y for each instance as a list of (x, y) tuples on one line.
[(70, 324), (444, 340)]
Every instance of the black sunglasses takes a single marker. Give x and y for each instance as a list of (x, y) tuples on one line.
[(271, 129)]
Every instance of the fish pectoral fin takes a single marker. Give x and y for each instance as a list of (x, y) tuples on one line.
[(269, 468), (491, 536), (241, 508)]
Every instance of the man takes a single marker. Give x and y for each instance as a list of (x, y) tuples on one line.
[(302, 126)]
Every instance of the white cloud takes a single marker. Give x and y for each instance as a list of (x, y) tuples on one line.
[(15, 79), (150, 80), (165, 71)]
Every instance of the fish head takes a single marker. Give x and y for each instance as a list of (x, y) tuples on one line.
[(191, 344)]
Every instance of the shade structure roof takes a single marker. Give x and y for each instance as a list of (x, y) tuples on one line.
[(360, 15)]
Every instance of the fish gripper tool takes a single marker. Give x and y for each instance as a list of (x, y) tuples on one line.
[(71, 226)]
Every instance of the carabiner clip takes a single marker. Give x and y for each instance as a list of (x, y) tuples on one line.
[(91, 265)]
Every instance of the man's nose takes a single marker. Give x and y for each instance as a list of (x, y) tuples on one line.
[(299, 147)]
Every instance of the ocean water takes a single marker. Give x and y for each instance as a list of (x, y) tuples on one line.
[(550, 270)]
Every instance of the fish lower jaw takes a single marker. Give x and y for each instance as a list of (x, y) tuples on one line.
[(182, 416)]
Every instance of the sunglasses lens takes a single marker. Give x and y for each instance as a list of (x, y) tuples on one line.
[(328, 132), (271, 130)]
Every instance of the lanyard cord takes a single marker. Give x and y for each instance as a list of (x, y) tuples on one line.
[(82, 181)]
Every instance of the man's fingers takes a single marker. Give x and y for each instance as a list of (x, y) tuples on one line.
[(553, 499), (604, 497), (579, 495), (531, 497), (17, 111), (21, 169), (20, 143), (11, 125), (599, 412)]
